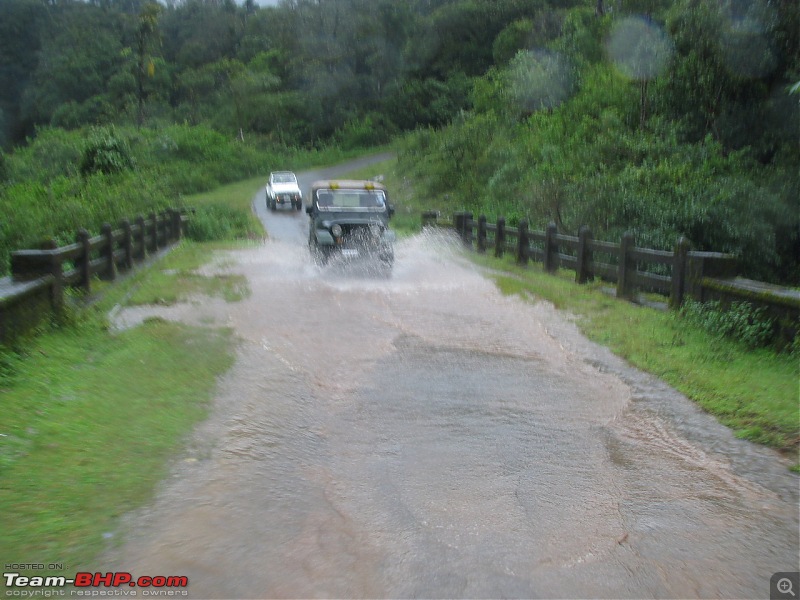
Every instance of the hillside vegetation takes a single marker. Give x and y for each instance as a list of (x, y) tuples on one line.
[(663, 117)]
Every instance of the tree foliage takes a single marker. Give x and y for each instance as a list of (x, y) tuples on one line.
[(566, 137)]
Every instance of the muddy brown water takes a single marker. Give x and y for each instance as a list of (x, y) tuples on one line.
[(421, 435)]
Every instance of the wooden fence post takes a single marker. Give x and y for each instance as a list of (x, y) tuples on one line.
[(625, 267), (679, 273), (177, 230), (584, 273), (522, 243), (165, 220), (550, 248), (141, 245), (166, 226), (127, 243), (482, 234), (110, 269), (429, 218), (468, 223), (57, 289), (153, 232), (500, 237), (83, 262), (56, 269), (162, 232), (458, 223)]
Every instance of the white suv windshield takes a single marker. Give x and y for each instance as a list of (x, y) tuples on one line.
[(351, 200), (284, 178)]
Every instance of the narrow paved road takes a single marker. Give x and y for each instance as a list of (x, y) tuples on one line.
[(424, 436)]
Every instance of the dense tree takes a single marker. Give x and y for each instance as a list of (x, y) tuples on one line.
[(20, 40), (730, 71), (147, 38), (81, 50)]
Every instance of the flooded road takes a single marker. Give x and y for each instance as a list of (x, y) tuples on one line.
[(424, 436)]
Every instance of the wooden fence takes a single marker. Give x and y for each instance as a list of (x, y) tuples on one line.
[(39, 277), (676, 274)]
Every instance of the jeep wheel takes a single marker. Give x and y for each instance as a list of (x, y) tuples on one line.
[(320, 254)]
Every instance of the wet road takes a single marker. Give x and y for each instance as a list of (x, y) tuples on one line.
[(424, 436)]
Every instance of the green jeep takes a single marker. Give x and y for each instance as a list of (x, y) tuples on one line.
[(350, 219)]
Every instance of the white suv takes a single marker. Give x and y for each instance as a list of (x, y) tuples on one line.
[(283, 191)]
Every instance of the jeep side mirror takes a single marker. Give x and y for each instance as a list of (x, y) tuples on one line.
[(309, 208), (390, 210)]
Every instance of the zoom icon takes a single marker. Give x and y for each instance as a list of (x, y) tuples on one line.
[(784, 586)]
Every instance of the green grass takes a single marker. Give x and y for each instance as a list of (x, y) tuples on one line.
[(237, 195), (90, 419), (175, 278), (226, 212), (754, 392)]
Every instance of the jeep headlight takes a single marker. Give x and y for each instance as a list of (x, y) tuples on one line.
[(336, 230)]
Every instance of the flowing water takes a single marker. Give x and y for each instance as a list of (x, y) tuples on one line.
[(421, 435)]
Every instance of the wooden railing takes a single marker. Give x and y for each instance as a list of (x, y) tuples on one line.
[(39, 276), (676, 274)]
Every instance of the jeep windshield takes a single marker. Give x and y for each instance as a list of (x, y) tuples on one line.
[(343, 200), (284, 178)]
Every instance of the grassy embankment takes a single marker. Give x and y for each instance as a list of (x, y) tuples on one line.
[(91, 418), (754, 392)]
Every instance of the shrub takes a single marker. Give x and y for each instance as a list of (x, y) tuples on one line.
[(213, 222), (53, 153), (371, 130), (106, 152), (740, 321)]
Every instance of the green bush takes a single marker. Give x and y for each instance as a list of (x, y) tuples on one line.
[(184, 177), (106, 152), (213, 222), (371, 130), (53, 153), (740, 321), (67, 180)]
